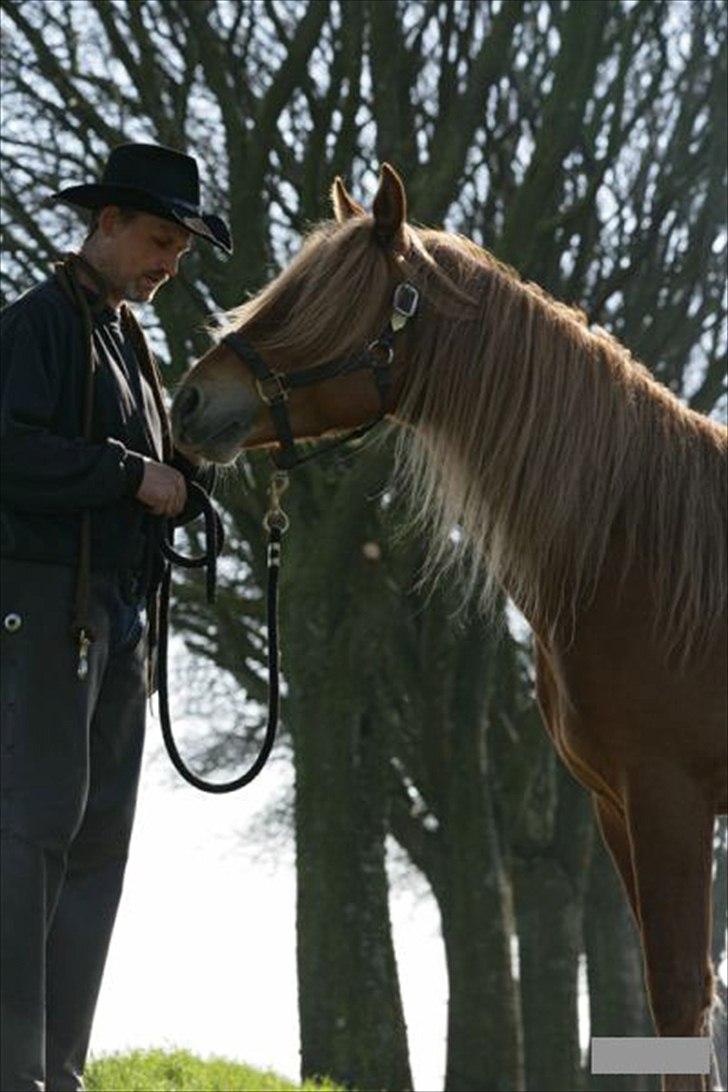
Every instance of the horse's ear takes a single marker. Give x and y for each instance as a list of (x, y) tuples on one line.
[(344, 204), (390, 206)]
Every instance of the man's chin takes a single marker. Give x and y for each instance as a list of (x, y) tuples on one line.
[(140, 291)]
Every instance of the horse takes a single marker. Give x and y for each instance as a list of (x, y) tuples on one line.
[(579, 485)]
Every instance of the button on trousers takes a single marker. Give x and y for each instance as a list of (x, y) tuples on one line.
[(71, 754)]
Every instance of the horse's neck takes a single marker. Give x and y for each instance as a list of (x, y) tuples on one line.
[(537, 486)]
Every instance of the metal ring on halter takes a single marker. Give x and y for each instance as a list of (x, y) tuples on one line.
[(277, 519), (379, 344)]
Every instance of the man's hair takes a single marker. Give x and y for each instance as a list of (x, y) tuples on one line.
[(126, 215)]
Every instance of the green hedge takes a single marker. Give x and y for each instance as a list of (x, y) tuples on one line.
[(180, 1071)]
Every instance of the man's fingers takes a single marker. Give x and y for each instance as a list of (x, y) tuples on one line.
[(163, 489), (180, 496), (176, 502)]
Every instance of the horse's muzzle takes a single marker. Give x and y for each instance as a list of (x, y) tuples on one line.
[(197, 424)]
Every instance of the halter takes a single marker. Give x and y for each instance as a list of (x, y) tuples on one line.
[(273, 387), (378, 356)]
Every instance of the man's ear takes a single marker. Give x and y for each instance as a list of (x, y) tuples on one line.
[(108, 218), (345, 207), (390, 206)]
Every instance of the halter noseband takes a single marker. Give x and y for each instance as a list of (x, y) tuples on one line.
[(273, 387)]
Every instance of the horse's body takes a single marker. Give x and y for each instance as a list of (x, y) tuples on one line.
[(649, 743), (582, 487), (617, 712)]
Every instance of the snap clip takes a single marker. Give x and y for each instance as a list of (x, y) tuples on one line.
[(12, 622)]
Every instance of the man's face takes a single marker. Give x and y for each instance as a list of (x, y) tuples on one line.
[(140, 254)]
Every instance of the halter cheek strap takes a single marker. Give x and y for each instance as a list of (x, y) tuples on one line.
[(273, 387), (275, 396)]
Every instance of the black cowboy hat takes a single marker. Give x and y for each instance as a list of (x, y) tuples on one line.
[(155, 179)]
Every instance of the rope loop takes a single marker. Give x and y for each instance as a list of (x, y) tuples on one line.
[(214, 542)]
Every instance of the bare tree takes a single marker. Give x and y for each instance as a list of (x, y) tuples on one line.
[(583, 143)]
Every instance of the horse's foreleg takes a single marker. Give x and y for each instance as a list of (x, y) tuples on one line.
[(670, 830)]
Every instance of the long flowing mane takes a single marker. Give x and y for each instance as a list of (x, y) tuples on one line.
[(321, 306), (539, 438), (542, 440)]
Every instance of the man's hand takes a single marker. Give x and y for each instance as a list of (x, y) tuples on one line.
[(163, 489)]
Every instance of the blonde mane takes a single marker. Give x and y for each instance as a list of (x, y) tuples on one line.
[(542, 440), (321, 306), (538, 438)]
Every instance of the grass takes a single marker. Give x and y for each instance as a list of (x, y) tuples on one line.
[(181, 1071)]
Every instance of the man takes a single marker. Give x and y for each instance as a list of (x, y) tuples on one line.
[(88, 477)]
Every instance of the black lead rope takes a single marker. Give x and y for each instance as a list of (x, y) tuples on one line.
[(273, 389), (276, 524)]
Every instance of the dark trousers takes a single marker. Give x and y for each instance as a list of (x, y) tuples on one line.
[(71, 753)]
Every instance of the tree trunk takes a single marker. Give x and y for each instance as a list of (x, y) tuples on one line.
[(617, 999), (442, 813), (550, 885), (351, 1016), (549, 934), (484, 1035), (352, 1022)]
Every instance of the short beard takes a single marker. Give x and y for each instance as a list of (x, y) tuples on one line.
[(133, 293), (131, 290)]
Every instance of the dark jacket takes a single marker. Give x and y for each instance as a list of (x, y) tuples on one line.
[(48, 474)]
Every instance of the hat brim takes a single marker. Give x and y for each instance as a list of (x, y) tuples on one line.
[(96, 195)]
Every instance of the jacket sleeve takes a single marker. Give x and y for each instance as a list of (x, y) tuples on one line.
[(204, 474), (40, 469)]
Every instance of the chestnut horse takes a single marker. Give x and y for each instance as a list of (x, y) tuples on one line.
[(580, 485)]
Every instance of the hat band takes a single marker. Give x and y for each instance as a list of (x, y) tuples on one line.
[(186, 206), (198, 226), (161, 198)]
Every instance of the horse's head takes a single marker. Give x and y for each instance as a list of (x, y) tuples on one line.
[(329, 304)]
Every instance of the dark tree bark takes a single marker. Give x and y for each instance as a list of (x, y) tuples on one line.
[(443, 816), (551, 862), (484, 1041), (352, 1024)]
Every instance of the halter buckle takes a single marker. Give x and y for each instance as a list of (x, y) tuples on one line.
[(406, 300), (280, 395)]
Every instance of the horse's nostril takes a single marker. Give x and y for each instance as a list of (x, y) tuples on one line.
[(186, 403)]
